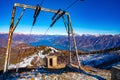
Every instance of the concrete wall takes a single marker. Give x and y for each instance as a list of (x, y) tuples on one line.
[(115, 73), (52, 59)]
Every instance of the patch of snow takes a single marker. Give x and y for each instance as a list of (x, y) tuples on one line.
[(104, 61), (27, 61), (11, 66), (40, 54), (97, 35), (53, 49)]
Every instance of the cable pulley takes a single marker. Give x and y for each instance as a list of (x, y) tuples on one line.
[(56, 14), (57, 18), (37, 11)]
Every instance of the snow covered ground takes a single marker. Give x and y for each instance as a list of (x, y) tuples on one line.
[(27, 61), (103, 61)]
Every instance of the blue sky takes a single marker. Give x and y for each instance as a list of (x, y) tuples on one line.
[(88, 17)]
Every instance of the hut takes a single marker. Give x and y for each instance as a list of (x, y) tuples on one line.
[(115, 72), (51, 61)]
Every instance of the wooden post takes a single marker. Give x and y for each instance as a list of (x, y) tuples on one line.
[(74, 41), (8, 50), (10, 35)]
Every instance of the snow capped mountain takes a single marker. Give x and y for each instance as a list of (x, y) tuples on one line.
[(85, 42)]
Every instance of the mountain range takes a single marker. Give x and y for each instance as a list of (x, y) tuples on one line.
[(84, 42)]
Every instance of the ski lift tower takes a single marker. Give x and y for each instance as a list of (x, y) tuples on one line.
[(60, 13)]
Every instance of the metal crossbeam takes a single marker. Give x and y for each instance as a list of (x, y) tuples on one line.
[(42, 8)]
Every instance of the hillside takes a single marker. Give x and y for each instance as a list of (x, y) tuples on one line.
[(33, 57), (27, 56)]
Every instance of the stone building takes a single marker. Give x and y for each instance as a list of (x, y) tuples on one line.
[(115, 73), (51, 61)]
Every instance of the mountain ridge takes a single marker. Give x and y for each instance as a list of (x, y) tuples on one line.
[(85, 42)]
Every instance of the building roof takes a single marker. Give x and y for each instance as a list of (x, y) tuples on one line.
[(53, 56)]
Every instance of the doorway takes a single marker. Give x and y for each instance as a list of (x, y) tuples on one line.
[(51, 63)]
